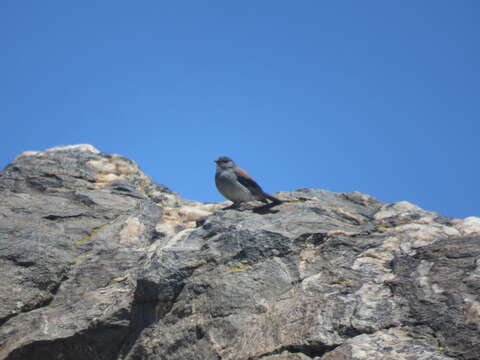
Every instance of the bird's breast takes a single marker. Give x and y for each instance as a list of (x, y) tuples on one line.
[(229, 187)]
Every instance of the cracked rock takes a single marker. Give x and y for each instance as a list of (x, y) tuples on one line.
[(100, 262)]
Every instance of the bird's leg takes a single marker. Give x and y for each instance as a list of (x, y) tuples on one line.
[(235, 205), (273, 199)]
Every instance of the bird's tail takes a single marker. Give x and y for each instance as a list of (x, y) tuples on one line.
[(272, 198)]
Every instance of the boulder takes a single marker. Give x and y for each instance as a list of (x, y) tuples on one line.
[(100, 262)]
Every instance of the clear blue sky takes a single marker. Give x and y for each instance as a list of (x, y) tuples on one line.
[(380, 96)]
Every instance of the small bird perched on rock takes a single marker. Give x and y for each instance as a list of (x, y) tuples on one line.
[(236, 185)]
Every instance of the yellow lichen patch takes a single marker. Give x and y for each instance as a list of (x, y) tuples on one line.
[(440, 348), (88, 236), (240, 268)]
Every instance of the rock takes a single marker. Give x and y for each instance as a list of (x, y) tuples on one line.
[(66, 238), (395, 344), (469, 226), (100, 262)]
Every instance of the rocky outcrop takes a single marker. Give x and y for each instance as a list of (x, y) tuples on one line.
[(100, 262)]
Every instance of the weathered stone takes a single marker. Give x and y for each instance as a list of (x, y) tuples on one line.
[(99, 262), (69, 252)]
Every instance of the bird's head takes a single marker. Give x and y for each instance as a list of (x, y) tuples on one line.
[(225, 162)]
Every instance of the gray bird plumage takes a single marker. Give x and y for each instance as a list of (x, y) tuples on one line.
[(236, 185)]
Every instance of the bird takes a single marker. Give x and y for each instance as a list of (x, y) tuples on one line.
[(236, 185)]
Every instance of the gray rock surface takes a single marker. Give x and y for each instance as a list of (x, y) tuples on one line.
[(100, 262)]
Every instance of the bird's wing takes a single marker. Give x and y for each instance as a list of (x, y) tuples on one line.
[(247, 181)]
